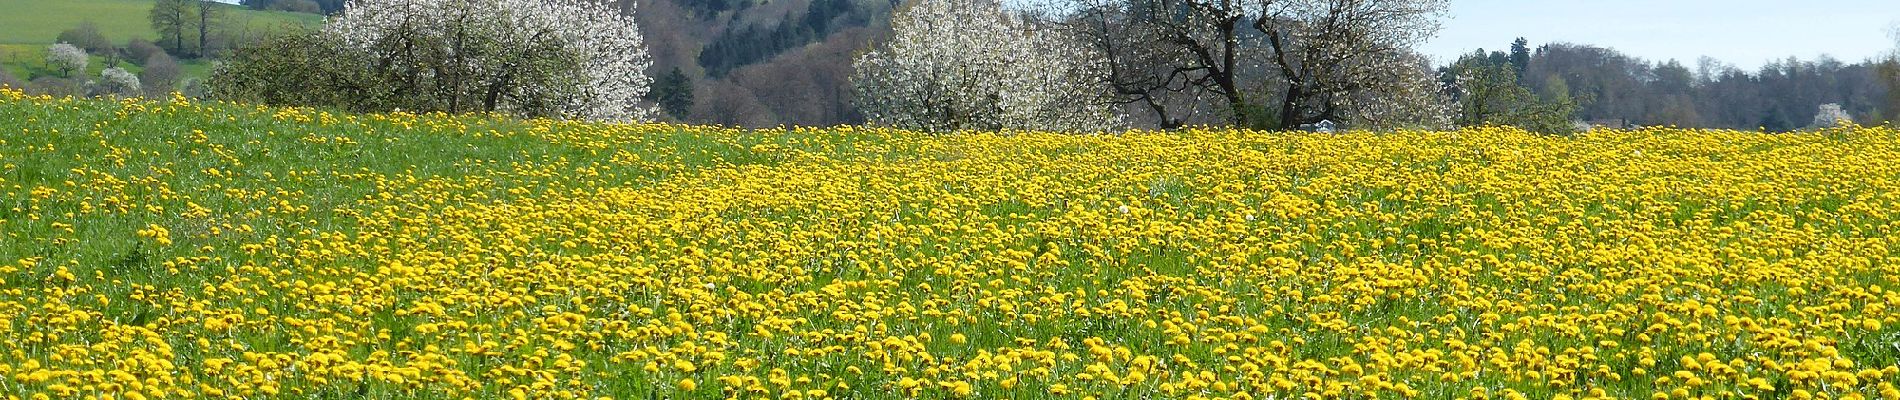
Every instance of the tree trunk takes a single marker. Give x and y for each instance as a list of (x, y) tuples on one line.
[(204, 26), (1289, 119), (178, 19), (1230, 45), (492, 98)]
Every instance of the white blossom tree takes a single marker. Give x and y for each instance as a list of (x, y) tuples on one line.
[(1401, 94), (969, 64), (1832, 116), (66, 58), (566, 58), (118, 81)]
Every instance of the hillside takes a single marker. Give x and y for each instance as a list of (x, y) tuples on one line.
[(190, 250), (38, 22), (28, 26), (759, 64)]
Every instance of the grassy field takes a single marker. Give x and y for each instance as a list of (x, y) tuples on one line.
[(187, 250), (40, 21), (28, 26)]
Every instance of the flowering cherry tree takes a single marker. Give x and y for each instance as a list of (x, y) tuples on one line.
[(66, 58), (564, 58), (968, 64)]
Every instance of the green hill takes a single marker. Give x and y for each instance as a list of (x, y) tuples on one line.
[(28, 26)]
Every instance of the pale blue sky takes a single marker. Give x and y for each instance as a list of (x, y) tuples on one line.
[(1746, 33)]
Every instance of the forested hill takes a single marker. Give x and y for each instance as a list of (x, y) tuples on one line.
[(759, 63)]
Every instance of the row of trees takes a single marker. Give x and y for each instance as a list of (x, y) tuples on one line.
[(186, 27), (1255, 63), (1286, 64), (1074, 65), (805, 84), (1609, 87), (70, 63), (325, 7), (64, 68), (1489, 89), (568, 59)]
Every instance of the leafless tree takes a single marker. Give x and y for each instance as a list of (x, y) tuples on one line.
[(1352, 59), (1166, 56), (208, 14), (169, 18), (1269, 63)]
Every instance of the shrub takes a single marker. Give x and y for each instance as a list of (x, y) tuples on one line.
[(7, 79), (1831, 116), (193, 88), (141, 50), (302, 6), (305, 68), (57, 86), (160, 75), (86, 36), (117, 82)]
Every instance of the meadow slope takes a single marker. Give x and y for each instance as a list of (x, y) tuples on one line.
[(173, 249), (28, 26)]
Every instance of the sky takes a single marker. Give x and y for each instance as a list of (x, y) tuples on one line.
[(1744, 33)]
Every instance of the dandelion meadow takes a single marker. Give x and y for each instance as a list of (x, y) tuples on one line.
[(173, 249)]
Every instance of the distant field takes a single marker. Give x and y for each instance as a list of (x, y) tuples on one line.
[(28, 26), (40, 21)]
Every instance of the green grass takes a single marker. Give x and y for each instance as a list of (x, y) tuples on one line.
[(19, 59), (1353, 249), (39, 22)]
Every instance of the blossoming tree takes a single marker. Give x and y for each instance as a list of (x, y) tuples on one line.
[(118, 82), (969, 64), (66, 58), (567, 58), (581, 59)]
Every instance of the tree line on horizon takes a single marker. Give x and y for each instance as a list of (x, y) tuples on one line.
[(1562, 85), (1603, 86), (1264, 64)]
